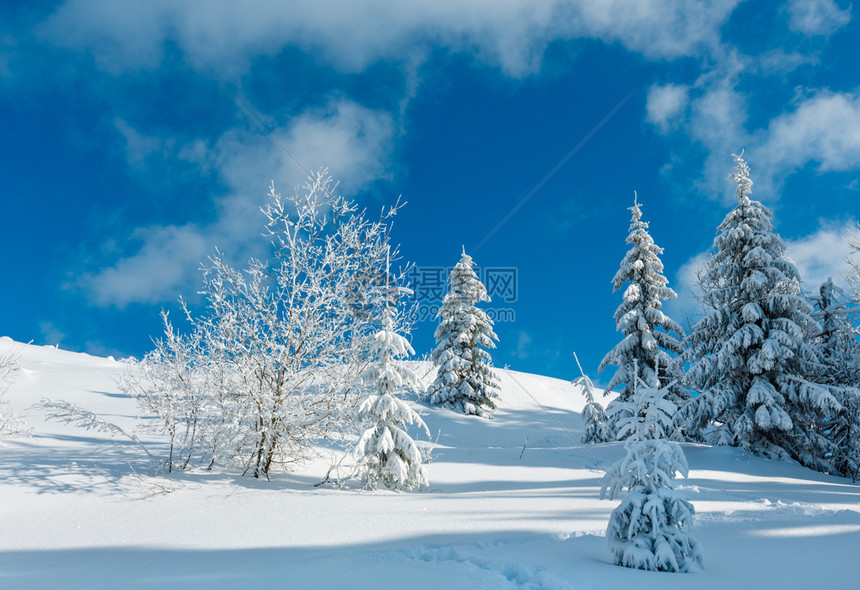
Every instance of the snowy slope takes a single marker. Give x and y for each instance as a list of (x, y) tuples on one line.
[(75, 515)]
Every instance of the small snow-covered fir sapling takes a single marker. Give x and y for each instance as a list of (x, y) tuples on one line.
[(593, 414), (650, 344), (385, 453), (651, 528), (465, 381)]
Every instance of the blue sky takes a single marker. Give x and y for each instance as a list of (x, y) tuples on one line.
[(125, 163)]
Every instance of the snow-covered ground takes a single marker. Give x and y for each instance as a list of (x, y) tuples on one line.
[(77, 513)]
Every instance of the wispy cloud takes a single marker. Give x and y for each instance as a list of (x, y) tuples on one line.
[(352, 141), (224, 36), (718, 123), (524, 345), (778, 61), (817, 17), (824, 129), (822, 255), (666, 105), (137, 145), (686, 285), (155, 273), (819, 127)]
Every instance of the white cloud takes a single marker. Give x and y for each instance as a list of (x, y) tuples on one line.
[(712, 112), (352, 141), (657, 29), (816, 126), (821, 127), (686, 285), (817, 17), (824, 128), (168, 256), (822, 254), (718, 123), (224, 36), (666, 105), (777, 61)]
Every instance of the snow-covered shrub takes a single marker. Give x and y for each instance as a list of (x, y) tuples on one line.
[(651, 528), (465, 381), (649, 346), (385, 453), (269, 367), (750, 354)]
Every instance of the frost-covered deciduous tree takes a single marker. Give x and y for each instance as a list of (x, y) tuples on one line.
[(9, 423), (647, 352), (651, 528), (385, 453), (174, 383), (465, 381), (269, 367), (750, 354)]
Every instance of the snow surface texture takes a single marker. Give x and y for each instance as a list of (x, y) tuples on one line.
[(75, 515)]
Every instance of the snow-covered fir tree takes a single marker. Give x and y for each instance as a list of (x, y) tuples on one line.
[(651, 528), (593, 414), (837, 338), (465, 381), (648, 350), (839, 433), (385, 453), (750, 355)]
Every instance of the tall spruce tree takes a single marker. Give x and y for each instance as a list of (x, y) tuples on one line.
[(750, 354), (647, 352), (465, 381)]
